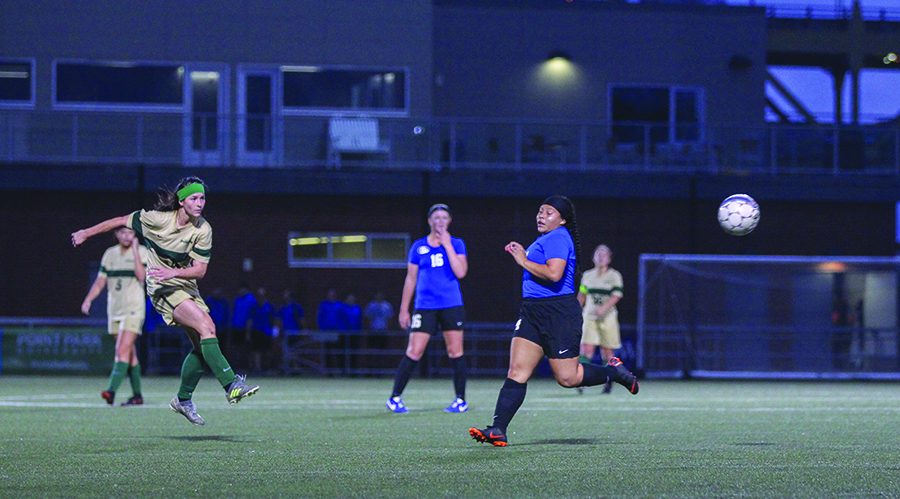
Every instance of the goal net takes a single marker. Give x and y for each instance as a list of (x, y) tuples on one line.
[(768, 316)]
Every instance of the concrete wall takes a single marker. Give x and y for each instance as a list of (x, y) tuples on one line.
[(301, 32), (489, 56)]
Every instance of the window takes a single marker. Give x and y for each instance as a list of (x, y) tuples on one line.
[(16, 82), (665, 114), (119, 83), (331, 250), (329, 89)]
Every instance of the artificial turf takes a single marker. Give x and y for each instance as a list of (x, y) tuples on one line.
[(333, 437)]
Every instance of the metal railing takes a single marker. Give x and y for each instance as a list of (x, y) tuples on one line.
[(439, 143)]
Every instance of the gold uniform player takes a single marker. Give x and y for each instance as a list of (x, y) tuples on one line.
[(179, 241), (600, 291), (122, 272)]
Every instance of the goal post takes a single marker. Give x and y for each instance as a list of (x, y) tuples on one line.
[(800, 317)]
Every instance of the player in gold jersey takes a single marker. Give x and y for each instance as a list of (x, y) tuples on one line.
[(599, 292), (122, 272), (179, 241)]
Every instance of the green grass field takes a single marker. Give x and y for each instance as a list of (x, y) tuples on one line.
[(333, 437)]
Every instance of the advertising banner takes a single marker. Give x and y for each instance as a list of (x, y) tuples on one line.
[(55, 350)]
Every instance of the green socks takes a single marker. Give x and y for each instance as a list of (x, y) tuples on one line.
[(191, 372), (192, 369), (117, 375), (216, 361), (134, 374)]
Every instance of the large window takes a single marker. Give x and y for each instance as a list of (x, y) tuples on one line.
[(360, 250), (130, 84), (316, 88), (660, 114), (16, 82)]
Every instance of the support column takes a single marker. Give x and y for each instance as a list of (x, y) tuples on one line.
[(838, 75), (854, 93)]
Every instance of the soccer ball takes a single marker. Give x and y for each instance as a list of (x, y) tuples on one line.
[(738, 214)]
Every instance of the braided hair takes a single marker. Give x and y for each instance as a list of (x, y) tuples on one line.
[(566, 210), (167, 200)]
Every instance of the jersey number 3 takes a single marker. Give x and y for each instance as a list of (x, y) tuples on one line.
[(437, 260)]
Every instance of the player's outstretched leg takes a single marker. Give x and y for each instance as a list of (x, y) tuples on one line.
[(623, 376), (187, 409)]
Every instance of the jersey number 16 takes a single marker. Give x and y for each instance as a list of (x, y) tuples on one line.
[(437, 260)]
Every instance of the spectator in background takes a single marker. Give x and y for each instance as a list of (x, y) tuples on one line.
[(263, 330), (240, 317), (218, 312), (329, 315), (290, 314), (378, 313), (152, 319), (351, 314)]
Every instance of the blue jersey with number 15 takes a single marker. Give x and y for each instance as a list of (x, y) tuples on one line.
[(436, 286)]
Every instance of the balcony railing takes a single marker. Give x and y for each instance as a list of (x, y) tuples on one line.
[(446, 143)]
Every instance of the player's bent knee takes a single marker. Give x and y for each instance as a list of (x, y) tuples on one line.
[(567, 381)]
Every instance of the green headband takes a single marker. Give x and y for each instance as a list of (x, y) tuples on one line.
[(189, 189)]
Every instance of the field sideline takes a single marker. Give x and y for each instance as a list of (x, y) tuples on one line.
[(333, 437)]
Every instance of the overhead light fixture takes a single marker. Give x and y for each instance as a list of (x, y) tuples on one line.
[(559, 55)]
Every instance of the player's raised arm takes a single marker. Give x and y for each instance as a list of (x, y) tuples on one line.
[(82, 235)]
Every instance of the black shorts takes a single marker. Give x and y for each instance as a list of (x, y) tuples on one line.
[(553, 323), (443, 319)]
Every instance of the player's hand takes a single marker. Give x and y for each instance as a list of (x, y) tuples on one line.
[(517, 251), (162, 274), (404, 319), (78, 237), (444, 236), (86, 307)]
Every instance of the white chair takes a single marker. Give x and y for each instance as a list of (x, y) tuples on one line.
[(355, 136)]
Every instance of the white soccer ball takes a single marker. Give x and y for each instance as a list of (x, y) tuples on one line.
[(738, 214)]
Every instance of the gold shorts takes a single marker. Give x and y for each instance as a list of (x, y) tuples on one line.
[(132, 322), (603, 332), (165, 302)]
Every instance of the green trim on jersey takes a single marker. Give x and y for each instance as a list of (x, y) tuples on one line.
[(120, 273), (136, 226), (205, 253), (174, 256)]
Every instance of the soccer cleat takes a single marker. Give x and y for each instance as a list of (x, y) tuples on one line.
[(623, 376), (239, 389), (607, 387), (108, 396), (396, 405), (135, 400), (458, 405), (489, 435), (186, 409)]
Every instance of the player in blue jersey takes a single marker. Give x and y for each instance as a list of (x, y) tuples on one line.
[(550, 319), (435, 265)]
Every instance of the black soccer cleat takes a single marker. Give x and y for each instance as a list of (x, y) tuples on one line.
[(489, 435), (136, 400), (108, 396), (623, 376)]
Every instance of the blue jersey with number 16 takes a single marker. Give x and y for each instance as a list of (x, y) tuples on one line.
[(436, 286)]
